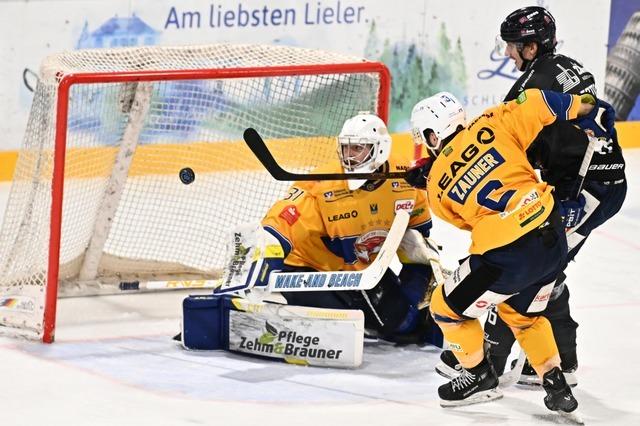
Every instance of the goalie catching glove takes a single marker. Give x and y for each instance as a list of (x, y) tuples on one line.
[(252, 255)]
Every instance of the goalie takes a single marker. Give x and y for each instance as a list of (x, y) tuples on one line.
[(341, 225)]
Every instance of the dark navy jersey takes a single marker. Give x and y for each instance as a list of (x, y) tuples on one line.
[(559, 148), (554, 72)]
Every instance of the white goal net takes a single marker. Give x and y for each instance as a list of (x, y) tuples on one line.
[(97, 195)]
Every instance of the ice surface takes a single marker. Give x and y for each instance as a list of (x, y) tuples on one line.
[(114, 362)]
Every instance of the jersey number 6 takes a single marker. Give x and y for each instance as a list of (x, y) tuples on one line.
[(483, 196)]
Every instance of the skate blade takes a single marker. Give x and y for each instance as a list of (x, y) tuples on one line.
[(477, 398), (571, 379), (535, 383), (573, 417), (530, 382), (447, 372)]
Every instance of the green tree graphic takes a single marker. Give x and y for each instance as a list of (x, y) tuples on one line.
[(418, 72)]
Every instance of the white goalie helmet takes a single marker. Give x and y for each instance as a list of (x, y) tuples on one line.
[(364, 144), (441, 114)]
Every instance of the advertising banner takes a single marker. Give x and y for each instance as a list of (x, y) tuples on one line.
[(622, 84), (429, 45)]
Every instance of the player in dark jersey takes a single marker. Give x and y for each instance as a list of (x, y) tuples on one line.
[(529, 35)]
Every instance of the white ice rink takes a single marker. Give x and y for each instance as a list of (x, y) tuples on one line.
[(114, 362)]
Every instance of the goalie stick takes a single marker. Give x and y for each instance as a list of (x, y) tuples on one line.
[(261, 151), (365, 279)]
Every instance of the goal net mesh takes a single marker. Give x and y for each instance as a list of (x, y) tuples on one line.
[(147, 114)]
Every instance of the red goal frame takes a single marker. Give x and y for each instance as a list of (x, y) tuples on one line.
[(62, 107)]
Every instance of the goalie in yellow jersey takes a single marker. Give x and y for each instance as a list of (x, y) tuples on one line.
[(481, 181), (341, 225)]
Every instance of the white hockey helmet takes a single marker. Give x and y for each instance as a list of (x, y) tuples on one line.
[(364, 144), (441, 114)]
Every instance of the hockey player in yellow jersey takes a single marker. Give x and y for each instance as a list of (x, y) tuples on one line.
[(341, 225), (481, 181)]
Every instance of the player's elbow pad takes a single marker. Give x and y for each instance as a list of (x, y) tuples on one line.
[(558, 103)]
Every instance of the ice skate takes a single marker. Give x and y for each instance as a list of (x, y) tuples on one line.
[(529, 377), (559, 396), (472, 386), (448, 367)]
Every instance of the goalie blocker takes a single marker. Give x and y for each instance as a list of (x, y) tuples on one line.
[(294, 334)]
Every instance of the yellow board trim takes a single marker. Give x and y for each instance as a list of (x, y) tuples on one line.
[(201, 156)]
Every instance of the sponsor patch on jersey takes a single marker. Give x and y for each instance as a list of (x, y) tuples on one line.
[(401, 187), (373, 208), (335, 195), (529, 213), (522, 97), (341, 216), (406, 205), (527, 199), (455, 347), (290, 214)]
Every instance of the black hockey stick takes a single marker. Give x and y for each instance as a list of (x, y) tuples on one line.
[(260, 150), (584, 166)]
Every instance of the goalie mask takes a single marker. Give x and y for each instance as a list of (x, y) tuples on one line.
[(435, 120), (364, 145)]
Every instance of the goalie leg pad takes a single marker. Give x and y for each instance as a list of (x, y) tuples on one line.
[(294, 334), (205, 322)]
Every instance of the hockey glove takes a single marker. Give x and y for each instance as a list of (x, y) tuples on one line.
[(572, 211), (601, 121), (417, 175)]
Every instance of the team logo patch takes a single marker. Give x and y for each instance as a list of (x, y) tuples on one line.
[(328, 194), (369, 244), (406, 205), (373, 208), (290, 214), (395, 184)]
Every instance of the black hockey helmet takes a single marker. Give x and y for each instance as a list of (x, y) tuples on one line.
[(532, 23)]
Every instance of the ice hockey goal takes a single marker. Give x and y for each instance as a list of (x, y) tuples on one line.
[(102, 190)]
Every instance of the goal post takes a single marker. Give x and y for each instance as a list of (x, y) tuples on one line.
[(97, 196)]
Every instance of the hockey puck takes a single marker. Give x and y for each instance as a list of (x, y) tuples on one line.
[(187, 175)]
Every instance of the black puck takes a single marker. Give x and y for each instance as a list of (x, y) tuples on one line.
[(187, 175)]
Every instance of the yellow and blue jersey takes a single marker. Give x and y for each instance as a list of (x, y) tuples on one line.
[(325, 226), (482, 181)]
